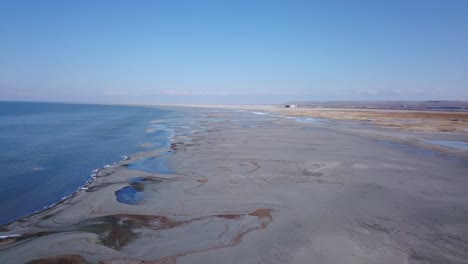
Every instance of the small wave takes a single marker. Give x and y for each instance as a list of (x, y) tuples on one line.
[(259, 113), (155, 121), (151, 130)]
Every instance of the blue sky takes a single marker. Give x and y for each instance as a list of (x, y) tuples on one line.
[(233, 51)]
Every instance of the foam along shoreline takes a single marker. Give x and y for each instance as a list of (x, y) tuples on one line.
[(258, 189)]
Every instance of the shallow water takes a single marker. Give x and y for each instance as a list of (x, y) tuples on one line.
[(404, 147), (129, 195), (136, 180), (151, 164), (460, 145), (309, 120)]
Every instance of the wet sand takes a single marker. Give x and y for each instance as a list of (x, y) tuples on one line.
[(263, 189)]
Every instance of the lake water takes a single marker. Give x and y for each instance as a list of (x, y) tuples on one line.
[(48, 151)]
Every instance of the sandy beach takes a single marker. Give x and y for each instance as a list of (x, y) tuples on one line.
[(269, 188)]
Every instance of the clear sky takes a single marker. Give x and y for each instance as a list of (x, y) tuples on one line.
[(233, 51)]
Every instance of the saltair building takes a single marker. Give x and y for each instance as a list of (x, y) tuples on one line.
[(290, 106)]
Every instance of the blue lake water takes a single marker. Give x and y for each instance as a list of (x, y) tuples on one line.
[(129, 195), (48, 151)]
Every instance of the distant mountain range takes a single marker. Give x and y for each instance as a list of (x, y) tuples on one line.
[(408, 105)]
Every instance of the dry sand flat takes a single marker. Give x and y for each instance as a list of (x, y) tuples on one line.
[(257, 189)]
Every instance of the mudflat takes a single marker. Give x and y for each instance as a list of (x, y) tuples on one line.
[(264, 188)]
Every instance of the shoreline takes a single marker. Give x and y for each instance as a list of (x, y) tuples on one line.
[(284, 113)]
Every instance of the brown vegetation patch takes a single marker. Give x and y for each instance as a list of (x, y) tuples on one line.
[(264, 216), (262, 213), (229, 216), (203, 180), (118, 231), (411, 120), (64, 259)]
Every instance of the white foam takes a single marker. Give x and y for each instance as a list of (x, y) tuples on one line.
[(151, 130), (10, 236), (259, 113)]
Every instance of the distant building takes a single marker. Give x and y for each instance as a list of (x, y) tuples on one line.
[(290, 106)]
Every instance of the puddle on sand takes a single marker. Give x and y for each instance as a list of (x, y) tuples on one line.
[(134, 194), (130, 195), (309, 120), (137, 180), (460, 145), (408, 148)]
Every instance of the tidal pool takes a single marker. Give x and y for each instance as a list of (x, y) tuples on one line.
[(129, 195)]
